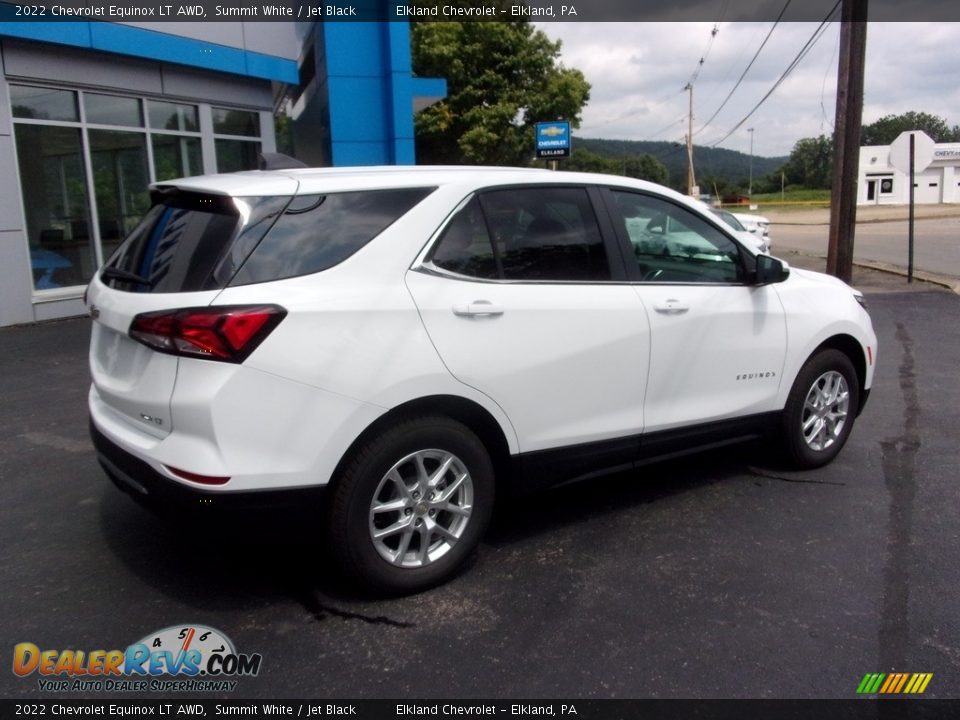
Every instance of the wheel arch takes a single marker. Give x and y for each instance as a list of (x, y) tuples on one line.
[(851, 347), (473, 415)]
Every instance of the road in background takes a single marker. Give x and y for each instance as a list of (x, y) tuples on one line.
[(937, 243)]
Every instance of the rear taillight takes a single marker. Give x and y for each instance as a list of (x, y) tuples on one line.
[(229, 333), (194, 477)]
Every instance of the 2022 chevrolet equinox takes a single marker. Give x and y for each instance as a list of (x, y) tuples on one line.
[(409, 340)]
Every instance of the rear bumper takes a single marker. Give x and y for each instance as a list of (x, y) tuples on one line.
[(150, 488)]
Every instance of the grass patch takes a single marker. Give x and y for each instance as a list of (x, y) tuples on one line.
[(813, 198)]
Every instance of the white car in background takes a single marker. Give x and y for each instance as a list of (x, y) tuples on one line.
[(756, 224), (412, 341), (761, 242)]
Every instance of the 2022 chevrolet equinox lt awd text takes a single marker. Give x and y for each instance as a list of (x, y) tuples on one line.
[(410, 339)]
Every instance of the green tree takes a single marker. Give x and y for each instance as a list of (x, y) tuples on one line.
[(646, 167), (642, 167), (885, 130), (810, 163), (583, 160), (502, 77), (283, 133)]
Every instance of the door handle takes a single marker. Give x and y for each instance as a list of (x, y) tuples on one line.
[(670, 307), (477, 308)]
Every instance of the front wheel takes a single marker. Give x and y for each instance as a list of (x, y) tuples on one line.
[(820, 409), (412, 504)]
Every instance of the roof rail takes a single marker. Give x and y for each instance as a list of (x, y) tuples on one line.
[(278, 161)]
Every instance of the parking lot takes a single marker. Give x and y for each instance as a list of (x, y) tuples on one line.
[(721, 575)]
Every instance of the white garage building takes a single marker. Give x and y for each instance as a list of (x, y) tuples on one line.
[(881, 184)]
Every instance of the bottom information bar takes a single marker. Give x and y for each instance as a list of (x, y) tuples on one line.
[(855, 709)]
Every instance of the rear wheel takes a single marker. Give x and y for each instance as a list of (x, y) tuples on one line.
[(412, 504), (820, 409)]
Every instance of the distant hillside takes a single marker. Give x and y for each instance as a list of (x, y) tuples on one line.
[(729, 165)]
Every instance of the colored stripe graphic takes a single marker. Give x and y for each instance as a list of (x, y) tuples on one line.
[(894, 683), (899, 687), (891, 680), (870, 683)]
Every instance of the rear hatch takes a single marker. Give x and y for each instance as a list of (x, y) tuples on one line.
[(187, 248)]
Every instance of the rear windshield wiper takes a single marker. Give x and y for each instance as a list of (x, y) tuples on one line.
[(112, 273)]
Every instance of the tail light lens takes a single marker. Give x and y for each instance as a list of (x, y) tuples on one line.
[(229, 333), (194, 477)]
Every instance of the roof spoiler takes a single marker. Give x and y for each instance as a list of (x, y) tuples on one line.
[(279, 161)]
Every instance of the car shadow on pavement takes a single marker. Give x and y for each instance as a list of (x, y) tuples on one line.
[(222, 559), (543, 512), (241, 559)]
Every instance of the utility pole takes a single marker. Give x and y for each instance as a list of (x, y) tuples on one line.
[(846, 138), (691, 179), (750, 188)]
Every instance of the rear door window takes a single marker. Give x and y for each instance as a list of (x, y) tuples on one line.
[(530, 233), (465, 248)]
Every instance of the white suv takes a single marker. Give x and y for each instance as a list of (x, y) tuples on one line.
[(411, 340)]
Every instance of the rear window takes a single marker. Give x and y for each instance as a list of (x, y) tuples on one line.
[(317, 232), (189, 242)]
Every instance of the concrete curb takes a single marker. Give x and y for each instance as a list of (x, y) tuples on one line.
[(866, 214), (951, 284), (874, 221)]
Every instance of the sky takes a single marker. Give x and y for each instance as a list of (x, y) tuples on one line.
[(637, 72)]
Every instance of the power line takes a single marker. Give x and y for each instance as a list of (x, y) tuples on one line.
[(724, 6), (750, 65), (790, 68), (742, 52), (635, 110), (823, 85), (665, 128), (705, 55)]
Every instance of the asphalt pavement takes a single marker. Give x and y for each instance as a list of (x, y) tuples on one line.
[(722, 575)]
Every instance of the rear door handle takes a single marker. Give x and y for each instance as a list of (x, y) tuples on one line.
[(670, 306), (477, 308)]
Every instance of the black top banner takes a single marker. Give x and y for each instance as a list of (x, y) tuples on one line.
[(865, 709), (467, 11)]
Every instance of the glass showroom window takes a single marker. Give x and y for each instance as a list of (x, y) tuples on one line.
[(54, 186), (237, 138), (118, 159), (175, 140), (120, 181), (86, 160)]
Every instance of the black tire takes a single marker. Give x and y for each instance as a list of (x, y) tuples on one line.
[(352, 522), (824, 446)]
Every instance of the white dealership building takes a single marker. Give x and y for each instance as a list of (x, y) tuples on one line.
[(881, 184)]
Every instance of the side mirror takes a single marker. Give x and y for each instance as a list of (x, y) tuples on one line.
[(770, 270)]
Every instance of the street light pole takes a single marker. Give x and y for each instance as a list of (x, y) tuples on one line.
[(750, 189), (691, 178)]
